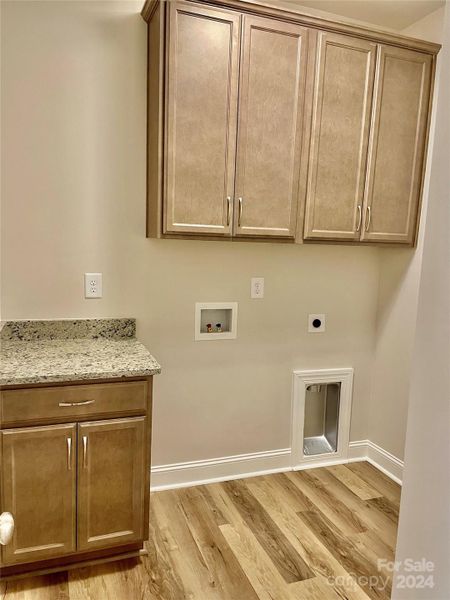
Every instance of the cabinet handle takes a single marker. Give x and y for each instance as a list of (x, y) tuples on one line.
[(85, 449), (228, 210), (358, 228), (6, 528), (240, 212), (69, 454), (81, 403), (369, 216)]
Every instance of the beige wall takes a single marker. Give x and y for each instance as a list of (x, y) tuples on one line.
[(397, 311), (73, 200), (424, 530), (430, 27)]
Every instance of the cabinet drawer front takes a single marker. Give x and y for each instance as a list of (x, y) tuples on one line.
[(74, 402)]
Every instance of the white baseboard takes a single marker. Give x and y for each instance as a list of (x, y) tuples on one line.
[(383, 460), (199, 472)]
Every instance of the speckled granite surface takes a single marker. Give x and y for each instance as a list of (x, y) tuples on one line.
[(31, 353), (68, 329)]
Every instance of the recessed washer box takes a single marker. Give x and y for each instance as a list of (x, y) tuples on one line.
[(213, 313)]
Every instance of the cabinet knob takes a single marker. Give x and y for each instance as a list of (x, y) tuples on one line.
[(6, 528)]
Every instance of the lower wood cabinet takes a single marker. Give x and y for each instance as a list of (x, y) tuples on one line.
[(39, 490), (111, 478), (79, 489)]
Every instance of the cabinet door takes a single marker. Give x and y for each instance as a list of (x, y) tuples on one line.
[(202, 87), (397, 145), (38, 487), (111, 482), (272, 91), (339, 137)]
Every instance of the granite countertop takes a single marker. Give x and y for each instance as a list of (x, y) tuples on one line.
[(55, 351)]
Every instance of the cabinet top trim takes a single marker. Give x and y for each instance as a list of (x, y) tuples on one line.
[(269, 10)]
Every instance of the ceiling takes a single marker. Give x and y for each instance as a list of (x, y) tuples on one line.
[(393, 14)]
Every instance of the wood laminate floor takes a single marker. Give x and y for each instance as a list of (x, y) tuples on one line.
[(308, 535)]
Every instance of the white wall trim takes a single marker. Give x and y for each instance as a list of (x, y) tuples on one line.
[(199, 472), (212, 470), (380, 458)]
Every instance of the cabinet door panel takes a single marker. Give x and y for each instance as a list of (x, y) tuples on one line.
[(397, 144), (38, 488), (201, 118), (339, 137), (273, 75), (111, 480)]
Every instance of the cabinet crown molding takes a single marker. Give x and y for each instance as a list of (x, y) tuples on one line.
[(302, 18)]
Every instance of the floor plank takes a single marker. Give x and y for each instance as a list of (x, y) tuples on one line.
[(315, 535), (262, 573), (45, 587), (278, 504), (368, 513), (226, 572), (316, 588), (188, 562), (331, 506), (296, 497), (345, 551), (386, 507), (290, 565), (354, 483), (375, 478), (110, 581), (164, 580), (372, 540)]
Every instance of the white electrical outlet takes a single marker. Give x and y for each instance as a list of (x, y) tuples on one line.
[(93, 285), (257, 287), (316, 323)]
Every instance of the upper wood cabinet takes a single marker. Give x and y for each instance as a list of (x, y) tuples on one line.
[(202, 87), (272, 90), (232, 162), (397, 145), (346, 199), (266, 123), (38, 473), (339, 137)]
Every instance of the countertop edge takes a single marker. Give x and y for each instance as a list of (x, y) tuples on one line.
[(85, 378)]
